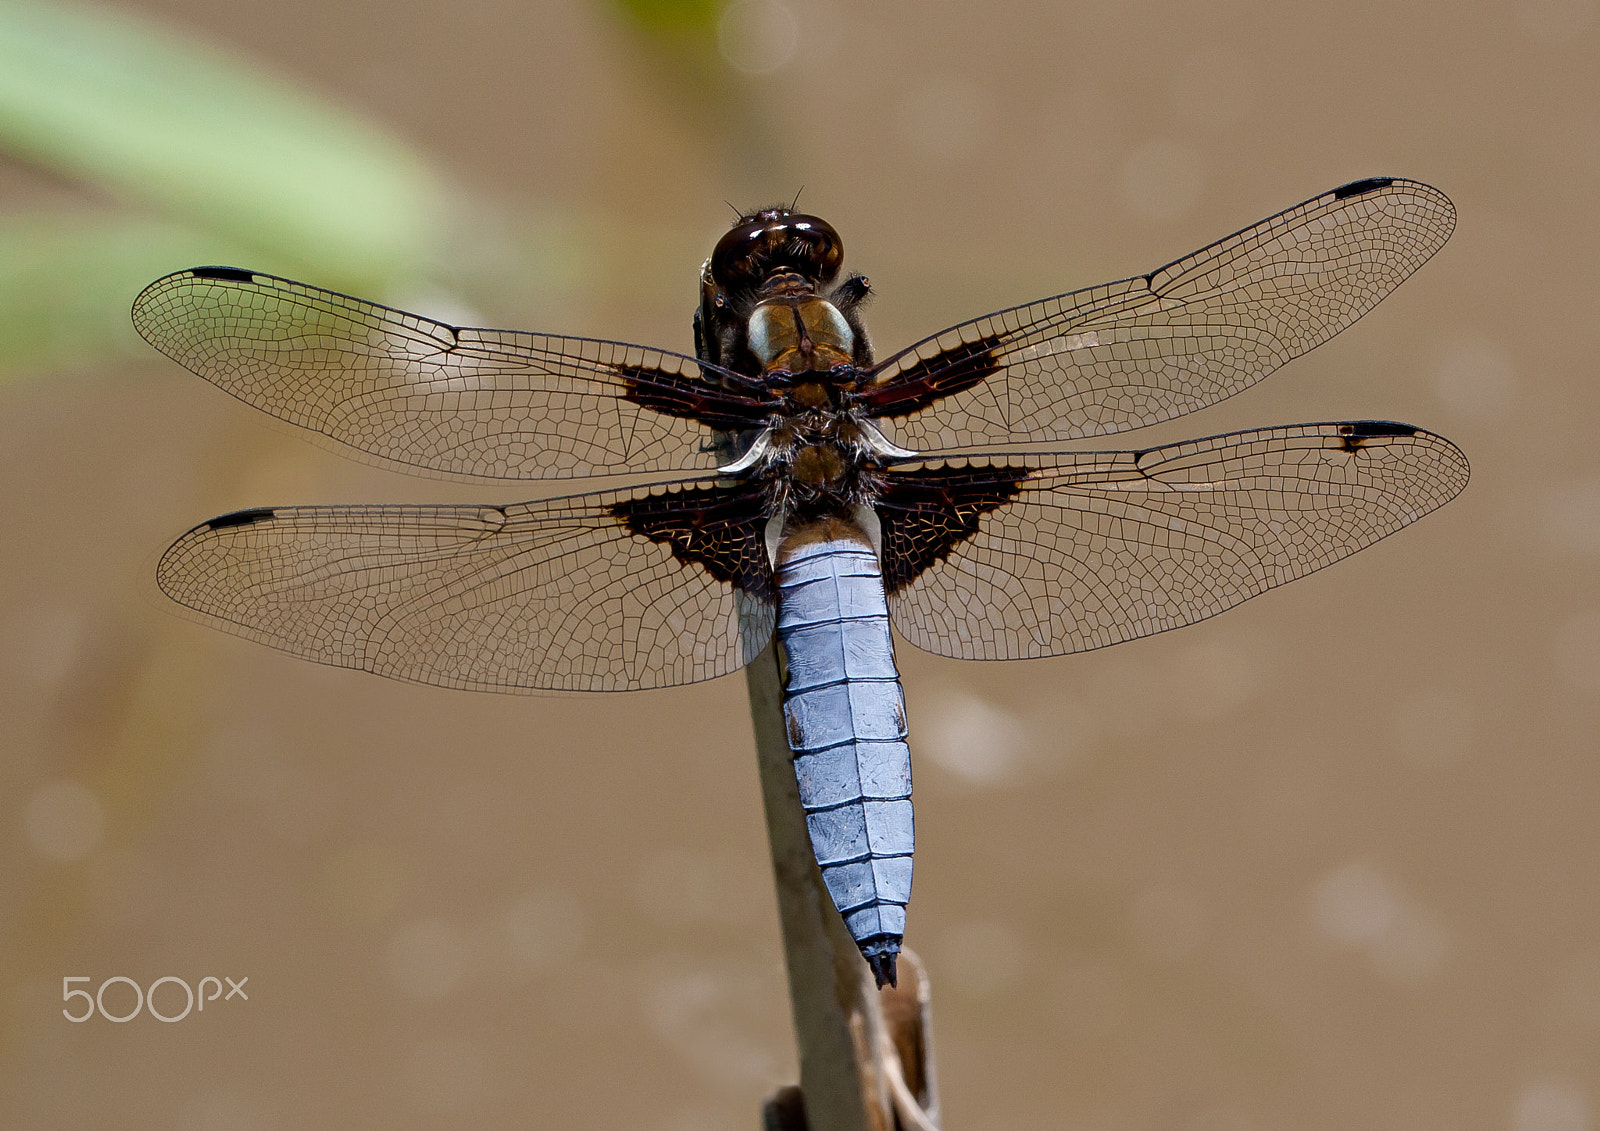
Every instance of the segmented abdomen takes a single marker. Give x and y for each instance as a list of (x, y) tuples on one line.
[(846, 719)]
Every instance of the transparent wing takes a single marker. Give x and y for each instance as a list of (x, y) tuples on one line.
[(423, 395), (574, 594), (1068, 552), (1143, 350)]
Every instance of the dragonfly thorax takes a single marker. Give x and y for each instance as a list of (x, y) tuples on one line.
[(800, 334), (821, 467)]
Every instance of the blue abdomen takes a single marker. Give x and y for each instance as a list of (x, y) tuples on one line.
[(846, 720)]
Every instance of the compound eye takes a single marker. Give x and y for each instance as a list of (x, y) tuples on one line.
[(823, 248), (732, 263), (773, 241)]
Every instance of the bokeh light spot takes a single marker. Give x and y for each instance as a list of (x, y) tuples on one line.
[(1357, 906), (980, 743), (1354, 904), (757, 37), (1550, 1105), (545, 929)]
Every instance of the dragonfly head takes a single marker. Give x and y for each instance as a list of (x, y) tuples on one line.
[(776, 241), (775, 255)]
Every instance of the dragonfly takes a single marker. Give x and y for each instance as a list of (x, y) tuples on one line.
[(794, 488)]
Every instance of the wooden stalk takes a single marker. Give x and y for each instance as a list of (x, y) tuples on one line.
[(866, 1059)]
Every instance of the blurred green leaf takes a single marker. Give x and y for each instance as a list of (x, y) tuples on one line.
[(210, 139), (673, 17), (681, 57), (68, 279)]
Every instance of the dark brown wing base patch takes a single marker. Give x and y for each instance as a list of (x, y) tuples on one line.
[(721, 529), (672, 394), (927, 513), (950, 371)]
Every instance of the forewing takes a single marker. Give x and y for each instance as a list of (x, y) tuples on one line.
[(426, 396), (588, 593), (1150, 348), (1069, 552)]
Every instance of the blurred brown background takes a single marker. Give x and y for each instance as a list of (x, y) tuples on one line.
[(1331, 860)]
